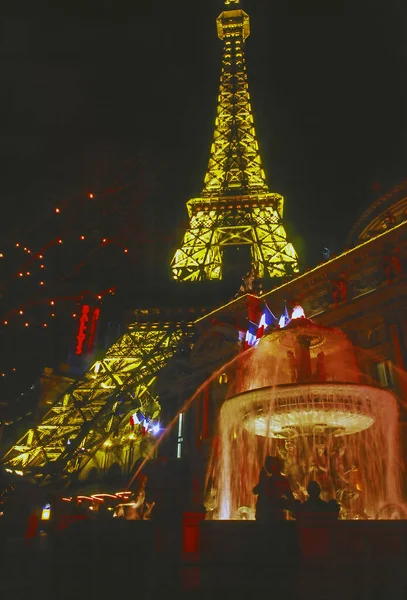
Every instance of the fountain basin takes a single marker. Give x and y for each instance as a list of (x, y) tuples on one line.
[(287, 411)]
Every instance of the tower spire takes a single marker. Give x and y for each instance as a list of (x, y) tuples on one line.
[(235, 207), (234, 164)]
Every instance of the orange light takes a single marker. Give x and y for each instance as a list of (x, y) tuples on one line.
[(28, 273), (13, 369), (52, 303), (125, 250), (21, 312), (52, 314), (57, 210), (74, 315), (42, 266), (59, 241), (82, 237), (17, 245), (40, 256), (29, 251), (90, 195), (5, 322), (41, 283), (99, 297), (21, 274), (25, 248), (104, 240), (44, 325), (3, 374), (1, 254), (26, 324)]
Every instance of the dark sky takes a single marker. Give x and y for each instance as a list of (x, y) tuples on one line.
[(97, 80)]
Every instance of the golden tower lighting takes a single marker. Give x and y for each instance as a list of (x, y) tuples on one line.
[(235, 207), (86, 424)]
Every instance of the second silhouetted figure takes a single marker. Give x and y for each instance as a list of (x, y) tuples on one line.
[(273, 491)]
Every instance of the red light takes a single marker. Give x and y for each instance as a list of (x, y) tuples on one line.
[(52, 303), (21, 274), (26, 324), (95, 317), (74, 315), (90, 195), (42, 266), (82, 237), (21, 312), (99, 297), (125, 250), (59, 241), (44, 325), (29, 251), (41, 283), (40, 256), (14, 369), (104, 240), (83, 325), (57, 210)]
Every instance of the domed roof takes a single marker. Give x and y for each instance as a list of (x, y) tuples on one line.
[(386, 212)]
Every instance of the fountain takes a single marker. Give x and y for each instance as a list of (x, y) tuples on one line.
[(301, 395)]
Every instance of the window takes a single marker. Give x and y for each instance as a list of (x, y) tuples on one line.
[(180, 437), (385, 374), (223, 378)]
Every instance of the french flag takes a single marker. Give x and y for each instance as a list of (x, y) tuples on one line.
[(251, 339), (241, 334), (267, 319), (285, 318)]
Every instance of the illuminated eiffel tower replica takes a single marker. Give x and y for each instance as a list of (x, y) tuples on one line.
[(235, 207), (107, 417)]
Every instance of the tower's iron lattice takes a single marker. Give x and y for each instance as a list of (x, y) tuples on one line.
[(86, 419), (235, 206), (90, 422)]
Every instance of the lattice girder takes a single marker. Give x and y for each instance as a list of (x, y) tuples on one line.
[(234, 164), (84, 417), (200, 256)]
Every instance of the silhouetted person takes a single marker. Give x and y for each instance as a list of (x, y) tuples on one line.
[(315, 504), (273, 491), (315, 518)]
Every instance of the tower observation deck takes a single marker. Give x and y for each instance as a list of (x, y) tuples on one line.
[(236, 207)]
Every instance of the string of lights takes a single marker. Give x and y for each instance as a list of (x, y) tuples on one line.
[(67, 256), (13, 371), (22, 310), (42, 284)]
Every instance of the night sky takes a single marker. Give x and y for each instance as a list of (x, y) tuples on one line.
[(118, 83), (89, 81)]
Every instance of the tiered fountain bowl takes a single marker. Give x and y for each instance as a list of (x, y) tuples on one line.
[(301, 395)]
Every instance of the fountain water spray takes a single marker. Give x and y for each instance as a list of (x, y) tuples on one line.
[(301, 395)]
